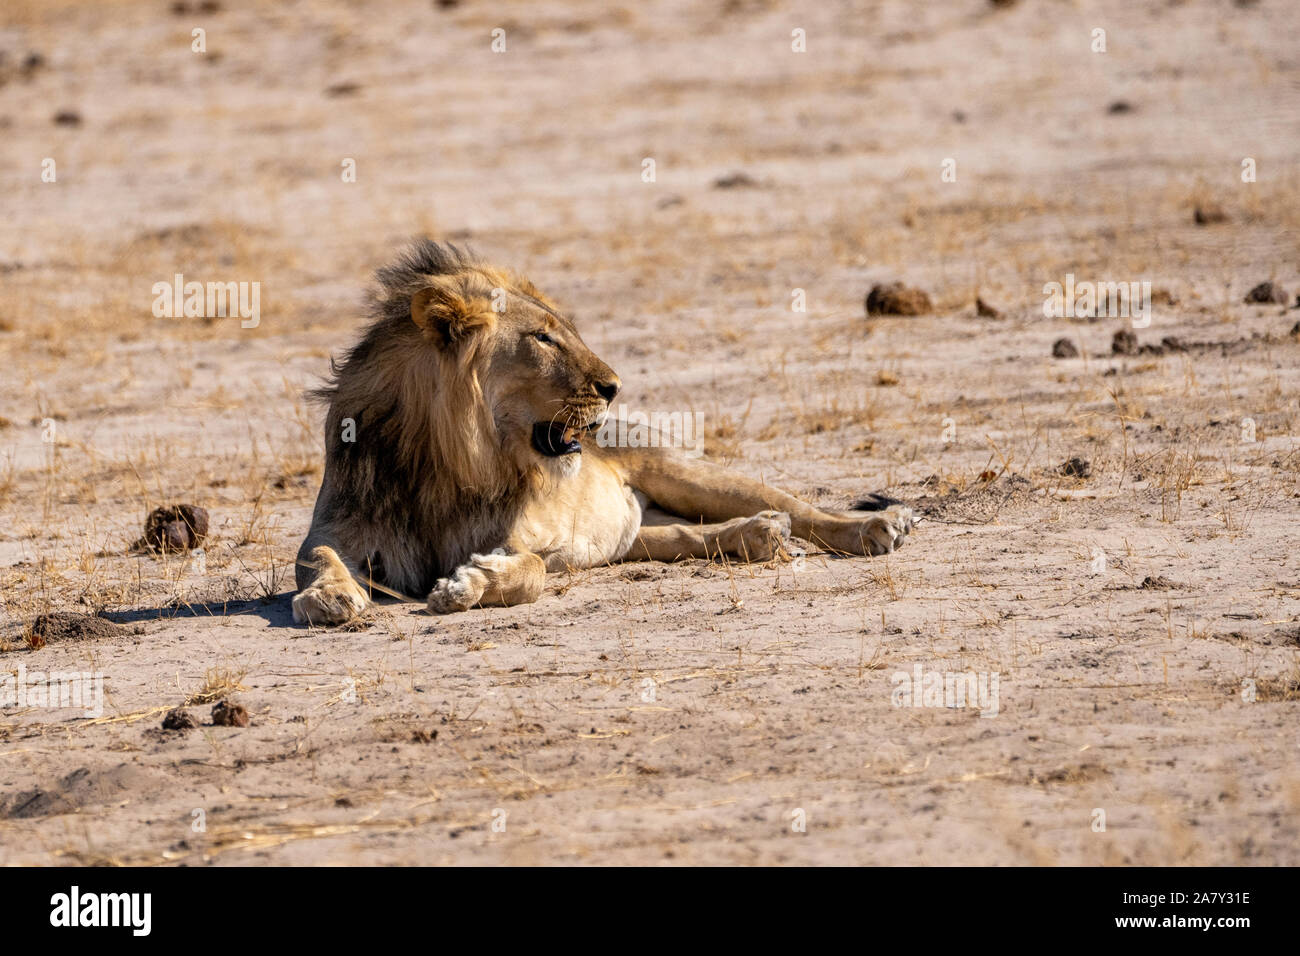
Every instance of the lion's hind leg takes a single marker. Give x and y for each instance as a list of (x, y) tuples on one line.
[(755, 538), (500, 579), (700, 490), (332, 596)]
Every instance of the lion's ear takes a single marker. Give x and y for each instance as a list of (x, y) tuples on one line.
[(448, 312)]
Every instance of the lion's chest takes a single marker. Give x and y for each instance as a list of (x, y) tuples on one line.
[(588, 520)]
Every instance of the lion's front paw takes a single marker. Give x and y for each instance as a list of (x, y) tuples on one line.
[(760, 537), (460, 592), (328, 603), (885, 532)]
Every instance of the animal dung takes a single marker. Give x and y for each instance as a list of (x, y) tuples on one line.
[(1064, 348), (897, 299), (1206, 214), (178, 718), (736, 180), (174, 529), (1267, 293), (1124, 343), (228, 714), (1076, 468)]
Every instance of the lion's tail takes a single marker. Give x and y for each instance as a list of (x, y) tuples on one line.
[(875, 502)]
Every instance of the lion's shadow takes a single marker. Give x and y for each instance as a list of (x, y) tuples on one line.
[(276, 611)]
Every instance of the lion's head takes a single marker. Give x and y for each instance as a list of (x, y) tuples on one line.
[(498, 340), (467, 381)]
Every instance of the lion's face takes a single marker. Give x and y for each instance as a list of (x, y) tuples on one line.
[(546, 384), (543, 387)]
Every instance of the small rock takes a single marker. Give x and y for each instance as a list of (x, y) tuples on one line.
[(984, 310), (346, 88), (1064, 348), (1120, 106), (1267, 293), (1125, 342), (67, 118), (1076, 468), (178, 718), (228, 714), (897, 299)]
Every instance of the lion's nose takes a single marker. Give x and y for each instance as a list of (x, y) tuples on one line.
[(607, 390)]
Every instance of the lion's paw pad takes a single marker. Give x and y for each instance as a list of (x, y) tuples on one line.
[(327, 604), (763, 535), (887, 530), (460, 592)]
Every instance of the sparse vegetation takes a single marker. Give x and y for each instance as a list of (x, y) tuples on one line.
[(648, 713)]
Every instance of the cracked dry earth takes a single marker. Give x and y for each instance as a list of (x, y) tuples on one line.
[(1142, 614)]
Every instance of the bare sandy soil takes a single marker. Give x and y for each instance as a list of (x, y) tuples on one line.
[(1143, 621)]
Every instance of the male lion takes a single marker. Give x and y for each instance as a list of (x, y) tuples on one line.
[(458, 463)]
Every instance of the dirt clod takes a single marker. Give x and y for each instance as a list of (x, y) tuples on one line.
[(70, 626), (897, 299)]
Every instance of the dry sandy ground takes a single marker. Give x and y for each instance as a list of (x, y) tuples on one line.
[(692, 713)]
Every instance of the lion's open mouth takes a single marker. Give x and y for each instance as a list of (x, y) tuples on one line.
[(553, 439)]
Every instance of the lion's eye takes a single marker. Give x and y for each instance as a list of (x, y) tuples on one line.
[(543, 338)]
